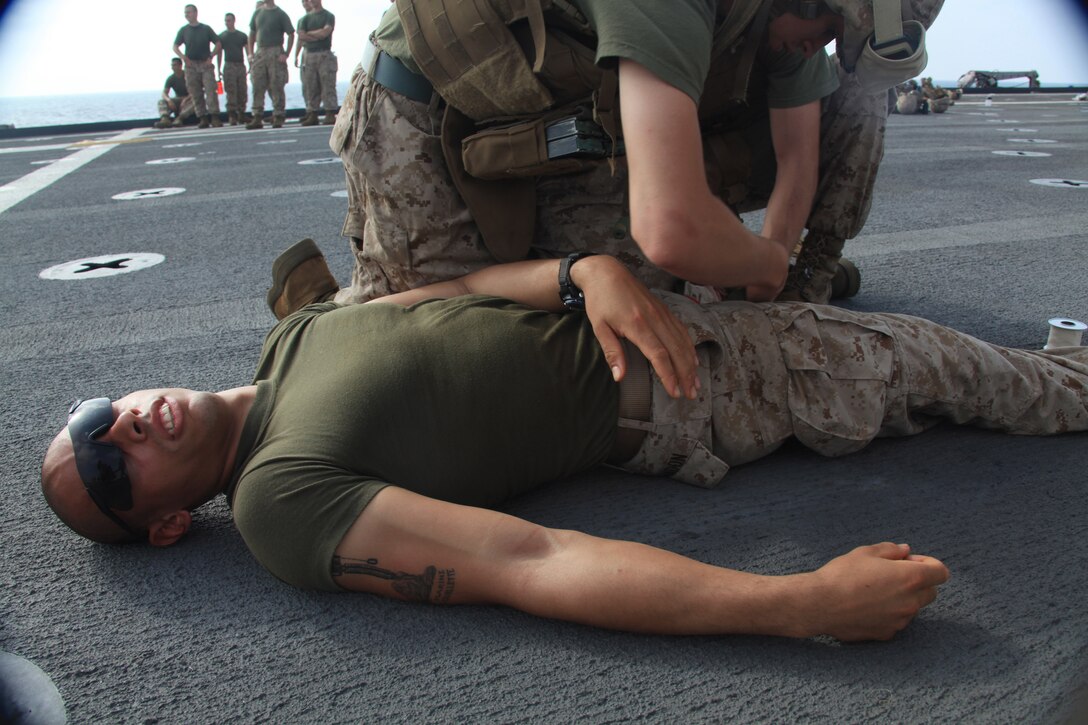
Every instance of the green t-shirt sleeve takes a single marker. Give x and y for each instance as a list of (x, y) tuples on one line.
[(671, 39), (293, 514), (793, 80)]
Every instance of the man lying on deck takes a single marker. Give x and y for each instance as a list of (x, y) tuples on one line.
[(375, 437)]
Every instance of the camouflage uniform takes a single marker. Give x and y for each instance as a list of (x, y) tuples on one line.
[(837, 379), (185, 109), (234, 85), (269, 76), (200, 78), (409, 226), (319, 80)]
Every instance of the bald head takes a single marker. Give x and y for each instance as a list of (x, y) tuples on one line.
[(66, 495)]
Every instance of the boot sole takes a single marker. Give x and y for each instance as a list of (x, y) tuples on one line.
[(847, 281), (295, 255)]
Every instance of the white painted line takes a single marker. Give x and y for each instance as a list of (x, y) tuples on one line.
[(1002, 231), (24, 149), (16, 191), (342, 194), (311, 162), (181, 145), (178, 160), (1031, 140)]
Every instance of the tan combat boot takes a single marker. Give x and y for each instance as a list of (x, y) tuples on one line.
[(217, 122), (277, 120), (330, 118), (163, 122), (257, 122), (205, 121), (820, 274), (310, 119), (300, 277), (232, 118)]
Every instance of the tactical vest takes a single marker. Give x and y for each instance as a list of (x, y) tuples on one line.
[(507, 68)]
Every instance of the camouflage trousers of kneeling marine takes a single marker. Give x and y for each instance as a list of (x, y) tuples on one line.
[(837, 379)]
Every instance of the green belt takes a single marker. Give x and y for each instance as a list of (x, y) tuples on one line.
[(394, 75)]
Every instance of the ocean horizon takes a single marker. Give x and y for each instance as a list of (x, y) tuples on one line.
[(34, 111)]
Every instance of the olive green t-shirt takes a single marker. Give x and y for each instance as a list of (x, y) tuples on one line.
[(176, 84), (673, 40), (234, 45), (317, 20), (270, 24), (471, 400), (198, 40)]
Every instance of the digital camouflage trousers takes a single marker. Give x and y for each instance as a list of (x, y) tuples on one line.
[(235, 86), (269, 75), (837, 379), (319, 81), (200, 80)]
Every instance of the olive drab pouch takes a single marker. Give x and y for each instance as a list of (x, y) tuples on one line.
[(505, 211), (563, 142)]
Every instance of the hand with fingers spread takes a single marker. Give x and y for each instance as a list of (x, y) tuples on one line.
[(619, 306), (873, 591)]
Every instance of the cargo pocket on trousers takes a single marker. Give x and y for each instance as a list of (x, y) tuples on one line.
[(840, 367), (342, 129)]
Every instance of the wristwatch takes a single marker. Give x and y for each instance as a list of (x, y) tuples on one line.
[(573, 298)]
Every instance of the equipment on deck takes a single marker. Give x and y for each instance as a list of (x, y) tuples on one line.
[(989, 78)]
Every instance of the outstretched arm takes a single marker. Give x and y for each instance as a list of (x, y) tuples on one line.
[(617, 304), (412, 547)]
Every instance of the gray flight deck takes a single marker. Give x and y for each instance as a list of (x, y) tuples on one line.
[(202, 634)]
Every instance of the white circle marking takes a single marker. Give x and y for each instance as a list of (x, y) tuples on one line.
[(106, 265), (148, 193)]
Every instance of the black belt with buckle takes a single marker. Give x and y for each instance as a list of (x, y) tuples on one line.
[(394, 75)]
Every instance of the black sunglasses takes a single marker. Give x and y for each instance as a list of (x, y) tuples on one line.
[(101, 465)]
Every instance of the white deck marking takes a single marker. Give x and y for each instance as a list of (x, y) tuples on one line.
[(23, 188)]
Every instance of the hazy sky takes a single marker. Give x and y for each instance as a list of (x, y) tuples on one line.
[(55, 47)]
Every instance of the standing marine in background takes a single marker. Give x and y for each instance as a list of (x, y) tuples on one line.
[(268, 61), (201, 45), (495, 138), (231, 62), (306, 7), (319, 63)]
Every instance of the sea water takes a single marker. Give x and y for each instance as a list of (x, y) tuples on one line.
[(30, 111)]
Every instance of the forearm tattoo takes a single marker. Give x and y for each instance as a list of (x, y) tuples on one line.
[(433, 585)]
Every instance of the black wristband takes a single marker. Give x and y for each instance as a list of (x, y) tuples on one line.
[(572, 297)]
